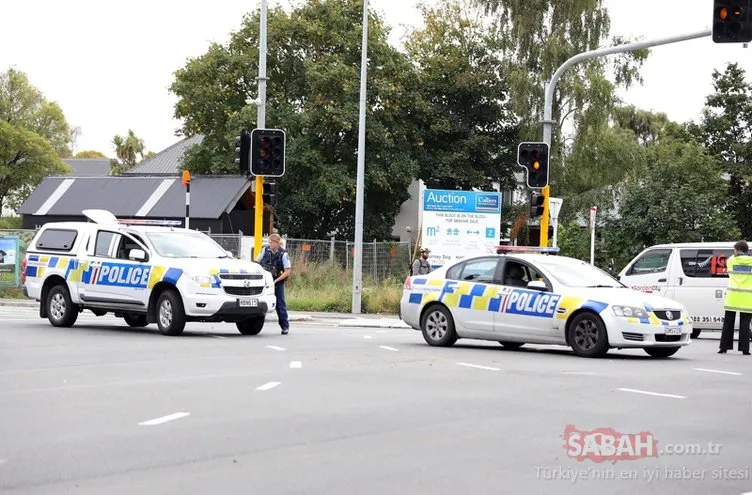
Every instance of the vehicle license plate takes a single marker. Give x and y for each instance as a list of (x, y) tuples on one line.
[(248, 303), (673, 331)]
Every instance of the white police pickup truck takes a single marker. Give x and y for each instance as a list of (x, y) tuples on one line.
[(145, 274)]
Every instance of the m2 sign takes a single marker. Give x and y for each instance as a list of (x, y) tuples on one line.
[(460, 224)]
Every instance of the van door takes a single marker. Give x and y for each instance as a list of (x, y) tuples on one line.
[(700, 284), (649, 272)]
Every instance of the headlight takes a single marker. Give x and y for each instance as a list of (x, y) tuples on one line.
[(268, 279), (629, 311), (202, 279)]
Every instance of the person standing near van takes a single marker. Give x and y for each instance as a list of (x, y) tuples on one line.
[(738, 299), (276, 260), (421, 266)]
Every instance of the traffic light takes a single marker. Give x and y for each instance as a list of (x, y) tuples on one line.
[(268, 152), (243, 152), (536, 205), (270, 194), (732, 21), (534, 158)]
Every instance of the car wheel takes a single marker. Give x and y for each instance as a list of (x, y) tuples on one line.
[(135, 321), (250, 326), (587, 336), (170, 313), (696, 333), (661, 352), (437, 326), (511, 345), (60, 310)]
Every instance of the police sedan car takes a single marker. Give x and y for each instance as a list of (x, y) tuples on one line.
[(530, 296)]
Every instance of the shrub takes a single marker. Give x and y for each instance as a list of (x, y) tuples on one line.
[(328, 287)]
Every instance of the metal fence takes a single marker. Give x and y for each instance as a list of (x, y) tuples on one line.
[(381, 260)]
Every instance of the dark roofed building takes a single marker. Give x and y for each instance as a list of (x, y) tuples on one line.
[(167, 161), (88, 167), (221, 204)]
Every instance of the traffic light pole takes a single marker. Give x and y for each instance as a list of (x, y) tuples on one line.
[(258, 209), (357, 286), (551, 86)]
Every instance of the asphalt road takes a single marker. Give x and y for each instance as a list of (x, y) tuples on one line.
[(101, 408)]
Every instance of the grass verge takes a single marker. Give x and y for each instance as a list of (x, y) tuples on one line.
[(328, 288)]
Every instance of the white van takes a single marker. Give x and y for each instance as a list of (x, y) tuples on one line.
[(693, 274)]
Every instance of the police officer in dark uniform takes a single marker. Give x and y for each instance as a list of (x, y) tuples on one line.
[(275, 260)]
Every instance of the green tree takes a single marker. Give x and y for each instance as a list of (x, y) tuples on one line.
[(726, 130), (469, 136), (128, 149), (678, 197), (90, 154), (313, 94), (33, 137)]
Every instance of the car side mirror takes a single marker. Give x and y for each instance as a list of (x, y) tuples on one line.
[(537, 285), (137, 255), (229, 254)]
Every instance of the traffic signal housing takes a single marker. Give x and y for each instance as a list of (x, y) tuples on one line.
[(243, 152), (534, 158), (732, 21), (270, 194), (268, 152), (536, 205)]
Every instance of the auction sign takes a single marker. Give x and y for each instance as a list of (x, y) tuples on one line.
[(9, 262), (460, 224)]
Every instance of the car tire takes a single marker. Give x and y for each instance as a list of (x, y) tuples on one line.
[(61, 312), (170, 313), (587, 336), (250, 326), (661, 352), (696, 333), (135, 321), (437, 326), (511, 345)]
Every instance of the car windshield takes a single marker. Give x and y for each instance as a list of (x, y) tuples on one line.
[(185, 245), (581, 275)]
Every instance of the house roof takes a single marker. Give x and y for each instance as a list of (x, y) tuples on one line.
[(147, 197), (167, 161), (88, 167)]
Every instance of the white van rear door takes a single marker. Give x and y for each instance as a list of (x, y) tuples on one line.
[(649, 272), (700, 282)]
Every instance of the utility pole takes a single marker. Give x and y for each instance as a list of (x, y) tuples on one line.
[(258, 210), (550, 87), (359, 188)]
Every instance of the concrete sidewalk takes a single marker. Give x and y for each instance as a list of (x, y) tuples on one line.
[(341, 319)]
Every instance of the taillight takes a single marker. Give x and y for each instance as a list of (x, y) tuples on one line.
[(407, 285), (23, 271)]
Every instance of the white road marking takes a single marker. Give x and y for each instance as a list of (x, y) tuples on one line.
[(296, 364), (387, 348), (268, 386), (3, 461), (479, 366), (383, 331), (367, 337), (652, 393), (718, 371), (275, 348), (164, 419), (577, 373)]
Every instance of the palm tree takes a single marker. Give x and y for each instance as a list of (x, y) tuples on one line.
[(127, 150)]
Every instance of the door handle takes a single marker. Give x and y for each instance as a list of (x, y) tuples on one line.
[(662, 280), (681, 280)]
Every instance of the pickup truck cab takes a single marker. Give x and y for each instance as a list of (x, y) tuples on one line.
[(144, 274)]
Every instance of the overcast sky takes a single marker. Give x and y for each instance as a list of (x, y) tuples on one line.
[(109, 64)]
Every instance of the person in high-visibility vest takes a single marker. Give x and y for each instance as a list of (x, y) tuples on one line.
[(738, 299)]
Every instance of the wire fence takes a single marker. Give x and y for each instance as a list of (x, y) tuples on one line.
[(381, 260)]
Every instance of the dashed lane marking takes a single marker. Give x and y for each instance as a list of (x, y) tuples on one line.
[(367, 337), (577, 373), (480, 367), (645, 392), (164, 419), (718, 371), (387, 348), (267, 386), (296, 364), (276, 348)]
